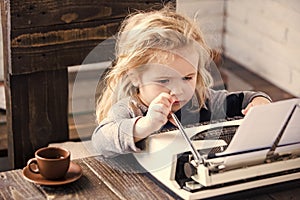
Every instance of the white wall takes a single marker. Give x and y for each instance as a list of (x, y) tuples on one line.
[(262, 35), (209, 14)]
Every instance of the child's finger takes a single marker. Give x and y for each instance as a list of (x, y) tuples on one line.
[(160, 108), (165, 99), (246, 110)]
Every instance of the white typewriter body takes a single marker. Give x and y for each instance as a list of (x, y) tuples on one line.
[(251, 160)]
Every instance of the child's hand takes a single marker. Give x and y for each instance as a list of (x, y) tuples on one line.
[(159, 110), (256, 101), (157, 115)]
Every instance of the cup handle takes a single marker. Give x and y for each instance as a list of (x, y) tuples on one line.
[(31, 162)]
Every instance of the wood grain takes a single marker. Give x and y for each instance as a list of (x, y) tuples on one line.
[(13, 186), (122, 175), (120, 178), (87, 187), (109, 179), (38, 116), (53, 34), (36, 13)]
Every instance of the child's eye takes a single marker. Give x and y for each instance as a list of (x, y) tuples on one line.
[(163, 81), (187, 78)]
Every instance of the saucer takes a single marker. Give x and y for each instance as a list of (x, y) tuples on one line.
[(74, 173)]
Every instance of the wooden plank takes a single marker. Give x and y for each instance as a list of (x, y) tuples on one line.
[(103, 179), (13, 186), (3, 126), (38, 116), (123, 175), (81, 126), (58, 56), (87, 187), (3, 135), (55, 54), (45, 13), (5, 22), (83, 81), (53, 34), (100, 180)]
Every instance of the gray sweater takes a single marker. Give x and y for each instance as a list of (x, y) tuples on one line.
[(114, 135)]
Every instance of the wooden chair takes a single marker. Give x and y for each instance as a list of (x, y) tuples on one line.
[(41, 39)]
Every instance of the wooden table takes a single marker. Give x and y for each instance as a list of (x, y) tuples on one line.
[(117, 179)]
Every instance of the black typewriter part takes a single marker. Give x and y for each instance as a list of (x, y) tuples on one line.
[(189, 169), (180, 176), (201, 124), (225, 133), (184, 171)]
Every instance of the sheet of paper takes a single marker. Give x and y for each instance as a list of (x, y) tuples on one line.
[(262, 125), (259, 130), (290, 141)]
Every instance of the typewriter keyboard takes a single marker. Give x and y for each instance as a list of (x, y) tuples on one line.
[(225, 133)]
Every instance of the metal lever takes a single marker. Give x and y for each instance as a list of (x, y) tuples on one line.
[(271, 156), (197, 157)]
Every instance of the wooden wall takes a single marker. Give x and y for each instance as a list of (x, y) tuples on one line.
[(41, 39), (40, 28), (1, 54)]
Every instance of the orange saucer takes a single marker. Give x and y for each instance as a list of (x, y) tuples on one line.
[(73, 174)]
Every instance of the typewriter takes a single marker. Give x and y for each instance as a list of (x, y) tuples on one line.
[(229, 156)]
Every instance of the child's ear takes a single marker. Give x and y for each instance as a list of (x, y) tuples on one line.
[(134, 79)]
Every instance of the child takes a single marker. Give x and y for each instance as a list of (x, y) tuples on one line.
[(161, 67)]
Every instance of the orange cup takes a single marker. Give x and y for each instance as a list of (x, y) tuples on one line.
[(51, 162)]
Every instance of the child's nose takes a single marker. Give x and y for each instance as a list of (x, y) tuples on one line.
[(176, 91)]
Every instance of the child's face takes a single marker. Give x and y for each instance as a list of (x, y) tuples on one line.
[(177, 78)]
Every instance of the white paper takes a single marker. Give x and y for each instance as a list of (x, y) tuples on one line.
[(260, 128)]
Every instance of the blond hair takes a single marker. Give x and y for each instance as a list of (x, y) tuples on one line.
[(143, 37)]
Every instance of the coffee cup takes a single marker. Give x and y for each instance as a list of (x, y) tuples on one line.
[(51, 162)]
